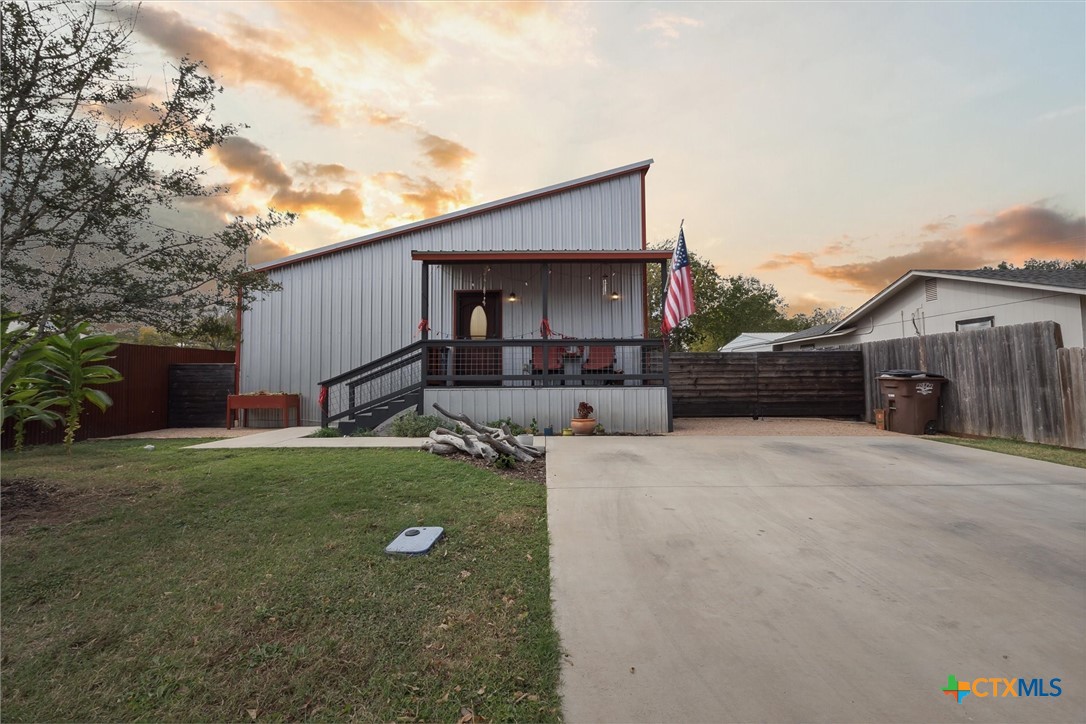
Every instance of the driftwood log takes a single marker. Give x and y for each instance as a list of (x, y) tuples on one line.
[(481, 441)]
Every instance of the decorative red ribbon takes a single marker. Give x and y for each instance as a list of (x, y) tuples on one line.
[(545, 328), (424, 326), (322, 399)]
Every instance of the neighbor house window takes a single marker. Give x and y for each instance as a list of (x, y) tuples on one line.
[(965, 325)]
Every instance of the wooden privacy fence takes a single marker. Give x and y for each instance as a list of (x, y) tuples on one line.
[(740, 384), (1015, 382), (140, 400)]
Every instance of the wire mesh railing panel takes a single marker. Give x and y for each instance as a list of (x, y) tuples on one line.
[(545, 363), (383, 380)]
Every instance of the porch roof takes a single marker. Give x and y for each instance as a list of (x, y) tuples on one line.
[(620, 256)]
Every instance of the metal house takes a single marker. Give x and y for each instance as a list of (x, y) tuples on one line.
[(520, 308)]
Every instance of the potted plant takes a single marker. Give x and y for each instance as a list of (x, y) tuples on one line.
[(583, 423)]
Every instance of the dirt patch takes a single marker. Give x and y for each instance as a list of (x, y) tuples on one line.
[(25, 502), (28, 502), (533, 472)]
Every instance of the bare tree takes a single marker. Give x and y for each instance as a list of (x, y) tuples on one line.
[(88, 159)]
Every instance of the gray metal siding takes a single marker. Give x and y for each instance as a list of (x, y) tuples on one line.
[(618, 409), (340, 311)]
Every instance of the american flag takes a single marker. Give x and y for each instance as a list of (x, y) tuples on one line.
[(680, 288)]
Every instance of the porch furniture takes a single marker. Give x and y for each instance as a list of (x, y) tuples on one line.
[(554, 360), (600, 360), (282, 402)]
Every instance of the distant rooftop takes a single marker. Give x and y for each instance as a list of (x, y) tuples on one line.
[(1070, 278)]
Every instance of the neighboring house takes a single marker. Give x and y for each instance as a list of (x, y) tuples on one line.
[(517, 308), (926, 302), (753, 342)]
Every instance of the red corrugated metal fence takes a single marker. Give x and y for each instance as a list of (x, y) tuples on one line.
[(139, 402)]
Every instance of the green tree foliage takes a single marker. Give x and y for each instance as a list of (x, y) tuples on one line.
[(819, 315), (83, 174), (1043, 264), (70, 370), (726, 307)]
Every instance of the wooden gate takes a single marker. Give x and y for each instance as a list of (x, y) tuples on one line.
[(771, 384), (198, 394)]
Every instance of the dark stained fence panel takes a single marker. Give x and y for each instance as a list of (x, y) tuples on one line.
[(198, 394), (773, 384), (140, 400)]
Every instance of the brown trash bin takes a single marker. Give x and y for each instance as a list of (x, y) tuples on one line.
[(911, 401)]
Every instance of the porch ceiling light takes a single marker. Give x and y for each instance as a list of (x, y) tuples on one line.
[(512, 296), (614, 296)]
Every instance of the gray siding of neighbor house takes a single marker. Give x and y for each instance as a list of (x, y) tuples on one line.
[(958, 300), (342, 310)]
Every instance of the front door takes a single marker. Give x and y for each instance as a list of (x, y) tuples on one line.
[(478, 317)]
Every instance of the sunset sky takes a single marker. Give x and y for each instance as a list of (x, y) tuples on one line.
[(825, 148)]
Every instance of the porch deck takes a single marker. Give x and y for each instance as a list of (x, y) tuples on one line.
[(626, 380)]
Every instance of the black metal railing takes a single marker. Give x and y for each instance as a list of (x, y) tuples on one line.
[(381, 381), (545, 362)]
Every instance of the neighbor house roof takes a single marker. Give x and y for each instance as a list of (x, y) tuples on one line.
[(640, 167), (1072, 281), (752, 339), (817, 332)]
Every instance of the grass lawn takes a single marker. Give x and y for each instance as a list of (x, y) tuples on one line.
[(223, 585), (1048, 453)]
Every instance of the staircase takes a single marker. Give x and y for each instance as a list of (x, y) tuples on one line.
[(366, 396)]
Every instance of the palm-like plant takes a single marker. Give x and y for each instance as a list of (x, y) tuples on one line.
[(70, 369), (23, 400)]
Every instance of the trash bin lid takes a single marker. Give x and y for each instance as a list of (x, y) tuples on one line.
[(910, 374)]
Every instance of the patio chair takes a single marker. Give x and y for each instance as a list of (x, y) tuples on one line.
[(554, 360), (600, 361)]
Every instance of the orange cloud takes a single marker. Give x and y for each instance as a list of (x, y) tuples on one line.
[(268, 250), (345, 204), (1013, 235), (171, 32), (431, 199), (242, 156), (445, 154), (331, 171), (256, 166)]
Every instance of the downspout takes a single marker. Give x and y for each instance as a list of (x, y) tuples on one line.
[(237, 342)]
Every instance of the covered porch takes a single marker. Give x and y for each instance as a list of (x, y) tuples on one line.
[(525, 334)]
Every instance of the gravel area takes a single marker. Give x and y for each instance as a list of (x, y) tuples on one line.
[(740, 426)]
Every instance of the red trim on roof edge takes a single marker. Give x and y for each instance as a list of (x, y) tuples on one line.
[(642, 168), (618, 256)]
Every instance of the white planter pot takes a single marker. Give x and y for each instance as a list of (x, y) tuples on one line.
[(526, 439)]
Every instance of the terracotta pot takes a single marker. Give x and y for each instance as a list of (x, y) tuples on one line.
[(583, 426)]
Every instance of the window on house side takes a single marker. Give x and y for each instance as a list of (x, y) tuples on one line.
[(964, 325)]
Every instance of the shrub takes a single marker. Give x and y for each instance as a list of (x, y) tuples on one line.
[(505, 461), (363, 432), (327, 432), (414, 425), (514, 428)]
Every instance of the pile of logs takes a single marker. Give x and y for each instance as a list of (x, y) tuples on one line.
[(480, 441)]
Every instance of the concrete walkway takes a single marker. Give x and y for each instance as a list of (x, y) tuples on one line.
[(715, 579), (295, 437)]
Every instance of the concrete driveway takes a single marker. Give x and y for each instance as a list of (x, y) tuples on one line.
[(813, 578)]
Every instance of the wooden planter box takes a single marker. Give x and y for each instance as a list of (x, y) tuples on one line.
[(244, 403)]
